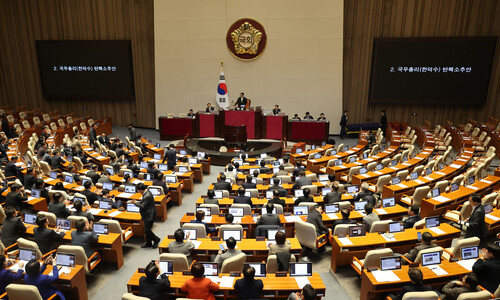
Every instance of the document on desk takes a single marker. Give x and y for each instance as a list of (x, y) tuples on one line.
[(461, 159), (437, 270), (418, 157), (125, 195), (441, 173), (208, 219), (114, 214), (99, 157), (441, 199), (365, 175), (394, 168), (380, 211), (401, 185), (486, 181), (349, 151), (428, 178), (357, 163), (436, 230), (214, 279), (196, 243), (388, 238), (237, 220), (345, 241), (406, 164), (378, 172), (79, 188), (302, 281), (291, 219), (472, 187), (494, 218), (332, 216), (419, 181), (455, 166), (385, 276), (95, 211), (467, 263), (226, 281), (369, 159)]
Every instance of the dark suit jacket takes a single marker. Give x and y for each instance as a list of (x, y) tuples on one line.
[(487, 272), (147, 206), (343, 121), (264, 170), (208, 109), (249, 185), (301, 182), (413, 288), (44, 282), (283, 192), (314, 217), (56, 162), (11, 170), (93, 175), (161, 183), (332, 197), (154, 289), (303, 199), (12, 229), (277, 201), (477, 226), (222, 186), (243, 200), (171, 157), (15, 200), (46, 237), (133, 134), (104, 141), (84, 239), (363, 195), (91, 196), (412, 254), (247, 289), (59, 209), (410, 221), (28, 181), (342, 221), (92, 136), (269, 219), (242, 101), (276, 111), (85, 214)]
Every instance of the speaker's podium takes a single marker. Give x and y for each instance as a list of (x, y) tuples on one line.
[(242, 123), (236, 135)]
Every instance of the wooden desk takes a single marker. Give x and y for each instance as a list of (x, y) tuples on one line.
[(74, 282), (342, 254), (95, 157), (274, 287), (493, 223), (255, 250), (315, 165), (160, 202), (304, 155)]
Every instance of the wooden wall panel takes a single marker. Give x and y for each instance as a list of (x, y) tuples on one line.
[(24, 21), (368, 19)]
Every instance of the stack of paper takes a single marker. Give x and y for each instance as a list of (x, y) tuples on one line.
[(441, 199), (419, 181), (401, 185), (494, 218), (226, 281), (472, 187), (467, 263), (385, 276), (115, 213), (302, 281), (94, 211), (486, 181), (380, 211), (441, 173), (345, 241), (436, 230), (332, 216), (196, 243), (292, 218), (428, 178), (438, 270), (125, 195), (214, 279), (455, 166), (208, 219)]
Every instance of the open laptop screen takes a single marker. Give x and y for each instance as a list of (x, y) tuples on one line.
[(211, 269), (170, 179), (65, 259), (30, 219), (300, 269), (107, 186), (105, 205), (132, 208), (271, 234), (155, 191), (237, 211), (63, 223), (299, 193), (357, 231), (388, 202), (236, 234), (207, 210), (359, 205), (101, 228), (435, 192), (396, 227), (431, 222), (352, 189), (166, 267), (26, 254), (300, 210), (260, 269), (192, 234), (390, 263), (469, 252), (218, 194), (331, 208), (431, 258), (130, 189)]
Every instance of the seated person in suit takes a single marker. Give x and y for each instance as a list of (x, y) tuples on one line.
[(263, 169), (11, 170), (209, 108), (190, 113), (308, 116), (241, 102), (322, 117), (40, 185), (276, 198), (454, 288), (365, 194), (487, 265), (331, 181), (276, 109), (158, 181), (345, 219), (303, 180), (276, 186), (370, 217), (16, 197), (286, 162), (307, 293), (282, 245), (12, 228), (78, 206), (91, 196), (417, 279), (305, 198), (106, 196), (200, 214), (249, 184), (92, 174), (281, 172), (29, 178), (269, 218), (199, 287), (248, 287), (296, 117), (58, 206), (298, 167), (104, 178), (241, 198), (228, 253), (413, 216), (426, 244), (103, 139), (231, 172), (222, 184), (46, 237), (56, 162), (127, 181), (179, 245), (6, 275), (333, 196), (84, 236), (151, 286), (314, 217), (210, 198), (34, 276)]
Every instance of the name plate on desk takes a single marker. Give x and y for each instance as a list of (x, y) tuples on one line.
[(186, 272), (190, 214), (260, 238), (170, 237), (222, 215), (281, 274), (235, 274), (215, 238)]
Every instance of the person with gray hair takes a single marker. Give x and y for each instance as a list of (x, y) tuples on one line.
[(365, 194)]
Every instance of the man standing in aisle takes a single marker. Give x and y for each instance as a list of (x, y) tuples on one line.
[(343, 124), (148, 214), (383, 121)]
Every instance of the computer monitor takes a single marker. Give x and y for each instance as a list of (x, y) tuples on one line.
[(248, 194), (440, 166), (130, 189), (192, 234), (35, 193), (157, 156), (363, 170), (379, 167), (357, 231), (300, 269), (389, 202), (390, 263), (269, 194), (236, 234), (317, 155), (323, 177), (155, 191), (405, 158), (435, 192), (163, 167), (207, 210), (132, 208), (237, 211), (300, 210), (413, 175), (431, 222), (183, 169), (298, 193), (130, 174), (84, 180), (352, 189), (201, 154), (110, 171), (26, 254), (263, 155), (313, 147), (211, 269), (338, 162), (396, 227), (66, 259), (325, 191), (271, 234), (395, 180), (260, 269), (346, 148), (158, 145), (68, 178), (333, 152), (352, 159), (144, 165), (454, 186), (469, 252), (166, 267), (382, 147), (431, 258), (63, 223), (101, 228), (82, 200), (488, 208), (182, 152), (30, 219), (192, 160), (53, 174), (332, 208), (471, 180), (365, 155), (105, 205), (218, 194), (170, 178), (107, 186), (298, 150), (428, 171), (359, 205), (276, 169)]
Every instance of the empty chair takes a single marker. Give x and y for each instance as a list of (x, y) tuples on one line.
[(441, 185), (371, 166), (17, 291), (26, 124), (284, 178), (418, 259), (312, 176), (344, 204), (272, 263), (115, 227), (402, 174), (372, 259), (27, 244), (340, 148), (308, 204), (232, 227), (46, 118), (378, 226), (454, 252), (180, 261), (247, 209), (342, 229), (89, 263), (385, 162), (307, 236), (430, 295), (419, 194), (234, 264), (73, 220), (480, 295), (254, 193), (348, 177), (490, 198), (460, 214), (381, 181), (201, 231), (375, 150)]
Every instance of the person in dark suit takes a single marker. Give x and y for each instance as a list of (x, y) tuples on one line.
[(314, 217), (308, 116), (84, 236), (305, 198), (298, 167), (241, 198), (6, 275), (276, 110), (345, 219), (307, 293), (200, 214), (46, 237), (263, 168), (91, 196), (269, 218), (209, 108), (343, 124), (191, 113), (476, 225), (365, 195), (104, 140), (249, 184), (16, 197), (416, 278), (4, 147), (151, 287), (276, 198), (158, 181), (321, 117), (487, 267), (148, 214), (241, 102), (426, 244), (56, 162), (248, 287), (152, 169), (58, 207), (276, 186), (92, 135), (222, 184), (11, 170), (131, 131), (383, 121), (171, 157), (12, 228), (333, 196), (413, 216), (78, 205), (92, 174), (29, 178), (303, 180), (281, 172), (39, 184), (468, 284), (34, 276), (296, 117), (210, 198)]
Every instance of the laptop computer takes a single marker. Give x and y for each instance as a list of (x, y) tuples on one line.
[(395, 180), (300, 210), (148, 176), (143, 165), (332, 208), (68, 178), (469, 252), (183, 169), (53, 174), (260, 269), (298, 193), (30, 219), (325, 191), (132, 208), (192, 234), (211, 269), (431, 258), (130, 189), (82, 200), (471, 180), (218, 194), (130, 174), (237, 211), (236, 234), (263, 155), (107, 186), (192, 160), (170, 178), (396, 227), (323, 177), (271, 234), (389, 202), (248, 194), (333, 152), (352, 189), (357, 231), (428, 171), (201, 154), (301, 269), (454, 186), (435, 192), (105, 204), (35, 193), (488, 208), (363, 170), (269, 194), (413, 175), (317, 155), (110, 171), (352, 159), (65, 260), (166, 267), (390, 263), (63, 223), (379, 167), (182, 152), (359, 205), (338, 162), (26, 255), (431, 222), (157, 156), (207, 210), (298, 150), (101, 228)]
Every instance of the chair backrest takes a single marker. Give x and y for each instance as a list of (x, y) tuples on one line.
[(113, 226), (380, 226), (17, 291), (353, 171), (402, 174), (285, 178), (46, 117), (418, 259), (73, 220), (306, 234), (80, 256), (214, 208), (234, 264), (312, 187), (24, 243), (441, 185), (458, 179), (497, 292), (312, 176), (272, 263), (430, 295), (385, 162), (233, 227), (254, 193), (481, 295), (308, 204), (279, 209), (468, 242), (381, 181), (247, 209), (45, 168), (371, 166), (490, 198), (2, 214), (201, 231), (372, 258), (180, 261), (342, 229), (340, 148), (51, 217), (419, 194), (375, 150)]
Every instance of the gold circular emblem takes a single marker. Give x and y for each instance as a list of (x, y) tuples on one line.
[(246, 39)]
